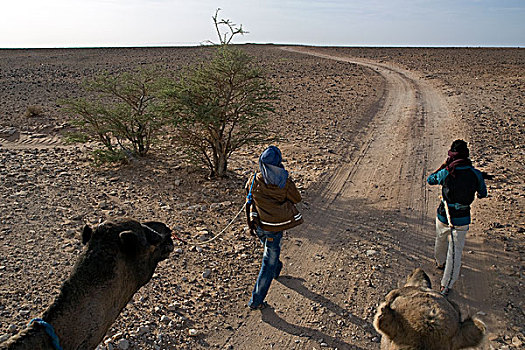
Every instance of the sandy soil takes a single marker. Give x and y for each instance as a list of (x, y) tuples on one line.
[(361, 129)]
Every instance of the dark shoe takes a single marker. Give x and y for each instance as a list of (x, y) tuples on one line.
[(278, 269), (261, 306), (444, 291)]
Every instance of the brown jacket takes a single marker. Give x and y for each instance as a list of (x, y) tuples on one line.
[(274, 208)]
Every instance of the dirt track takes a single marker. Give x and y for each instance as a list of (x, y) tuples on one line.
[(378, 194)]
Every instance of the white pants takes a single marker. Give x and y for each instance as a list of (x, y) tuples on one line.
[(449, 245)]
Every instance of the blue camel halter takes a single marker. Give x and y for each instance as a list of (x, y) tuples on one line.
[(49, 330)]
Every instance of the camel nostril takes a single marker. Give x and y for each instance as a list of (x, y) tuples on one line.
[(167, 248)]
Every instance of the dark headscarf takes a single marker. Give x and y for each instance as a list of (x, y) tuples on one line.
[(458, 155), (271, 167)]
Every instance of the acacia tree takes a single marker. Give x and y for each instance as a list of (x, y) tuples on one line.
[(124, 118), (222, 104)]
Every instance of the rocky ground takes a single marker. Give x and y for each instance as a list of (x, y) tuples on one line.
[(197, 298)]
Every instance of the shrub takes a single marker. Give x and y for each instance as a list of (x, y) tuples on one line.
[(125, 118), (33, 111)]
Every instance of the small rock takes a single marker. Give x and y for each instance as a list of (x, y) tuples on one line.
[(4, 337), (516, 342), (206, 273), (173, 306), (192, 332), (496, 225), (11, 328), (123, 344), (9, 131), (143, 330), (371, 252), (376, 340), (37, 136), (165, 319)]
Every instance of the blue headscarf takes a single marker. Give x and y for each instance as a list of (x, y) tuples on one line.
[(271, 167)]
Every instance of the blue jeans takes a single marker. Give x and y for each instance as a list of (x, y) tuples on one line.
[(271, 265)]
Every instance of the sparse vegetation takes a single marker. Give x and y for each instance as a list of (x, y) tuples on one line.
[(75, 137), (125, 119), (33, 111)]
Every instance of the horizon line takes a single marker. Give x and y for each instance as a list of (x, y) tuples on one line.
[(190, 45)]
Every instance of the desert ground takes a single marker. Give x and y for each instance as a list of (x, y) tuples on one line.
[(360, 130)]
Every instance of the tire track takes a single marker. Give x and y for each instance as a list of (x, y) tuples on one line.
[(384, 179), (32, 141)]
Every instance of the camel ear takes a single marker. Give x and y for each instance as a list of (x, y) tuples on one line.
[(131, 241), (87, 233), (418, 278), (385, 321), (471, 333)]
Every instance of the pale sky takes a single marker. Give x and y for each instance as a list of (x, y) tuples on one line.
[(88, 23)]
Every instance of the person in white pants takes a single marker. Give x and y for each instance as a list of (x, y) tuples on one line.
[(460, 182), (449, 248)]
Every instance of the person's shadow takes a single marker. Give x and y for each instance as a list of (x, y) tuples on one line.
[(269, 316), (296, 284)]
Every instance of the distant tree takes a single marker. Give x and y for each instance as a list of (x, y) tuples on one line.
[(222, 104), (125, 117)]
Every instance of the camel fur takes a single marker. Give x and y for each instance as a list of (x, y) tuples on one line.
[(119, 258), (415, 317)]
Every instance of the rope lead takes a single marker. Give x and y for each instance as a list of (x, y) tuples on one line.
[(218, 234), (249, 200)]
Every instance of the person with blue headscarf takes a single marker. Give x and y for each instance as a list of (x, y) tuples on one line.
[(274, 196)]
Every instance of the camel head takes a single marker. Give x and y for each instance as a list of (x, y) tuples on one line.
[(416, 317), (140, 245), (119, 258)]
